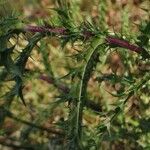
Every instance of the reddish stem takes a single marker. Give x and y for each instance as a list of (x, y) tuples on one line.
[(87, 34), (57, 30), (66, 90), (123, 43), (47, 79), (50, 80)]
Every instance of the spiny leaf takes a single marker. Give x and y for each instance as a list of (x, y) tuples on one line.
[(77, 110), (25, 54)]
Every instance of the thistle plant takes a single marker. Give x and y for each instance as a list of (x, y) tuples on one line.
[(95, 43)]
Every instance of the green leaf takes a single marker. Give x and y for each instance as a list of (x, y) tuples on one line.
[(92, 53)]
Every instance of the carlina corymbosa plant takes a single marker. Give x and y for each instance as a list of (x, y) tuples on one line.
[(91, 98)]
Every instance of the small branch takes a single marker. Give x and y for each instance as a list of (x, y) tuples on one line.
[(51, 80), (16, 146), (63, 88), (56, 30), (11, 115), (54, 131)]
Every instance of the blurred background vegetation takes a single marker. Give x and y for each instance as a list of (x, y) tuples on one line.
[(129, 131)]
